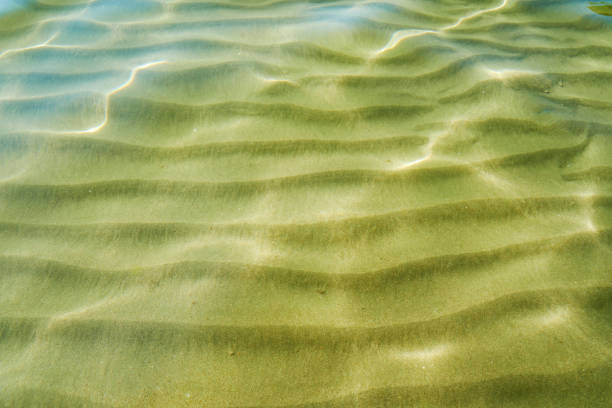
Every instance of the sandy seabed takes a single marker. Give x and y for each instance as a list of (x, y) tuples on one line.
[(302, 203)]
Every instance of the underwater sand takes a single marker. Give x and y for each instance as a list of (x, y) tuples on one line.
[(303, 203)]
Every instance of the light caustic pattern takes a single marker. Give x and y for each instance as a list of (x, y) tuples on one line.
[(124, 85), (401, 35), (295, 203)]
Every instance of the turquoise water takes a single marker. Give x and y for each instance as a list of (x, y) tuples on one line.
[(305, 203)]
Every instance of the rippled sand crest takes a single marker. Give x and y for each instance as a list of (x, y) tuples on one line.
[(305, 203)]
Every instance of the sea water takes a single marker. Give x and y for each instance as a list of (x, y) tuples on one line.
[(305, 203)]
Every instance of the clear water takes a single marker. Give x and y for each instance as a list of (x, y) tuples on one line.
[(305, 203)]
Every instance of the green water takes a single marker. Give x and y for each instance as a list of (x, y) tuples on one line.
[(237, 203)]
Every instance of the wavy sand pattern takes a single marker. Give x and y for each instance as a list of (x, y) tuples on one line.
[(305, 203)]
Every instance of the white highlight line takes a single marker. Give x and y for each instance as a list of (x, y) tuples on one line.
[(31, 47), (429, 149), (401, 35), (126, 84), (476, 14)]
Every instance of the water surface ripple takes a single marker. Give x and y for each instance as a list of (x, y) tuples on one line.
[(305, 203)]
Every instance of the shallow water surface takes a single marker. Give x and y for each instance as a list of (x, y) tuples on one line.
[(305, 203)]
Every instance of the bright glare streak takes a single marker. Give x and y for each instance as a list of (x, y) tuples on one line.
[(402, 35), (476, 14), (32, 47), (126, 84), (273, 80), (429, 153), (414, 162), (507, 73)]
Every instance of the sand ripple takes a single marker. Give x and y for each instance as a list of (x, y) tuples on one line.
[(305, 203)]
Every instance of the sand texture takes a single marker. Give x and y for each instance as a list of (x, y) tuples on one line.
[(305, 203)]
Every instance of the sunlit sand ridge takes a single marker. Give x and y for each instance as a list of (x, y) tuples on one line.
[(305, 203)]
